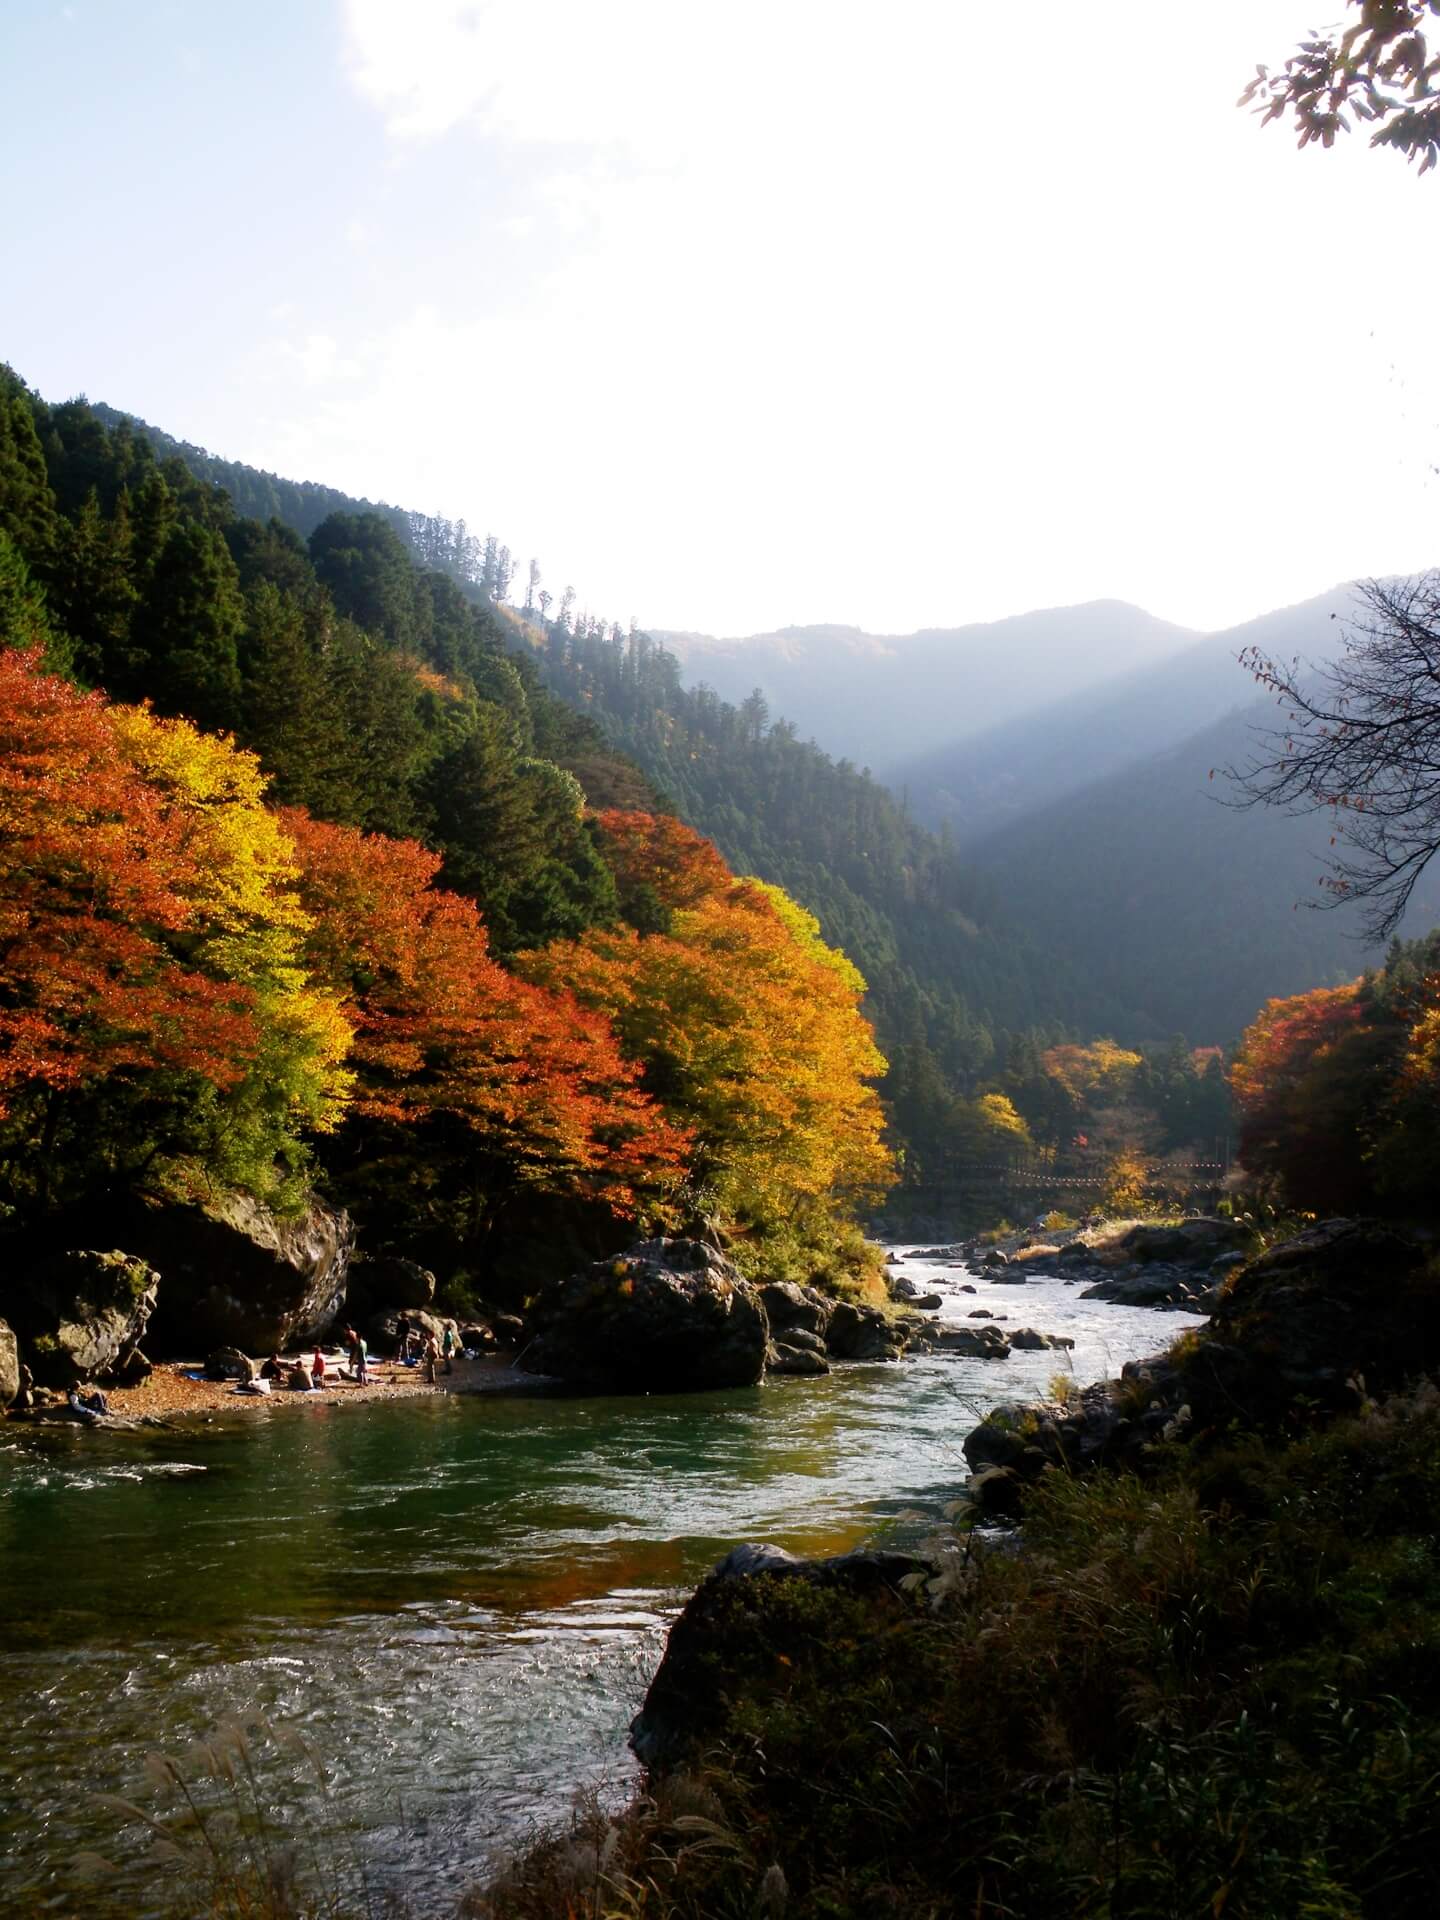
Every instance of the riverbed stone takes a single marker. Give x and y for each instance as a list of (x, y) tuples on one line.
[(1032, 1341), (789, 1306), (785, 1358), (972, 1343), (235, 1273), (667, 1316), (863, 1333), (76, 1312)]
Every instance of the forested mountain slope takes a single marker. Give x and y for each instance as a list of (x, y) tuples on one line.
[(1181, 913)]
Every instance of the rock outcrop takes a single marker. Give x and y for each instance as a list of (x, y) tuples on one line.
[(78, 1314), (233, 1273), (863, 1333), (9, 1365), (668, 1316), (714, 1651), (384, 1281)]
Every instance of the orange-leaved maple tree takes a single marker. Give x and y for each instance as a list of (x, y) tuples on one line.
[(535, 1080), (750, 1032), (659, 862), (149, 937), (1304, 1080)]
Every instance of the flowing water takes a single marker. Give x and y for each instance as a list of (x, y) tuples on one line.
[(457, 1601)]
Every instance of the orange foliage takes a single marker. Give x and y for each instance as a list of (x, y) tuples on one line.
[(1285, 1040), (102, 896), (653, 850), (440, 1028), (751, 1034)]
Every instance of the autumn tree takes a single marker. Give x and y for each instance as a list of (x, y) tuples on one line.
[(499, 1084), (750, 1033), (1307, 1078), (153, 1006)]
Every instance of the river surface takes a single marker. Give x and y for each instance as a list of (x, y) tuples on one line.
[(457, 1602)]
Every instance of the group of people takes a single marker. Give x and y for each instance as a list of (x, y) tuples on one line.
[(416, 1347), (419, 1347), (296, 1375)]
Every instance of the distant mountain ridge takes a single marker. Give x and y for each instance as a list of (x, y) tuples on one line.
[(881, 699)]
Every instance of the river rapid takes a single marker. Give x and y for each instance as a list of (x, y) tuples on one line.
[(458, 1602)]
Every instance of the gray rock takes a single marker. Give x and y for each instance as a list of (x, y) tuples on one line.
[(1027, 1339), (784, 1358), (973, 1343), (9, 1365), (237, 1274), (863, 1333), (386, 1281), (995, 1258), (788, 1306), (668, 1316), (229, 1363), (928, 1302), (76, 1313), (720, 1645), (1191, 1243)]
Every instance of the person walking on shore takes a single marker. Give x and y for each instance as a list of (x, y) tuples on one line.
[(448, 1345), (432, 1354)]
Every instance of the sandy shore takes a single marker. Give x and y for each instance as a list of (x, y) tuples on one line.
[(169, 1392)]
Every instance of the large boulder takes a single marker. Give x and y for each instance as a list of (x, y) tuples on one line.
[(77, 1313), (863, 1333), (9, 1365), (972, 1343), (790, 1307), (1189, 1243), (723, 1644), (237, 1274), (385, 1280), (668, 1316), (1348, 1307)]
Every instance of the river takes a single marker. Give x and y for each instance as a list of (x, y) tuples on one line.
[(457, 1601)]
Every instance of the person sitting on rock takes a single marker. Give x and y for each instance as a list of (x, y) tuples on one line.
[(299, 1380), (273, 1369), (95, 1400), (87, 1416), (317, 1369)]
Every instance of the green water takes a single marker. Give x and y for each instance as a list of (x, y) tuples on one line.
[(456, 1601)]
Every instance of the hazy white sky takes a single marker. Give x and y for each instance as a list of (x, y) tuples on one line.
[(750, 314)]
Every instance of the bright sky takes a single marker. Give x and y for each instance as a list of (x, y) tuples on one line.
[(748, 314)]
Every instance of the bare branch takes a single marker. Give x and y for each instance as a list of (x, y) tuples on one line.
[(1361, 741)]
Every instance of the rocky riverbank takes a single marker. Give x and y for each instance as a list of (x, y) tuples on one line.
[(1222, 1620)]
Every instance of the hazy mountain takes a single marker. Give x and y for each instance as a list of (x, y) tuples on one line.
[(977, 784), (879, 699), (1175, 911)]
